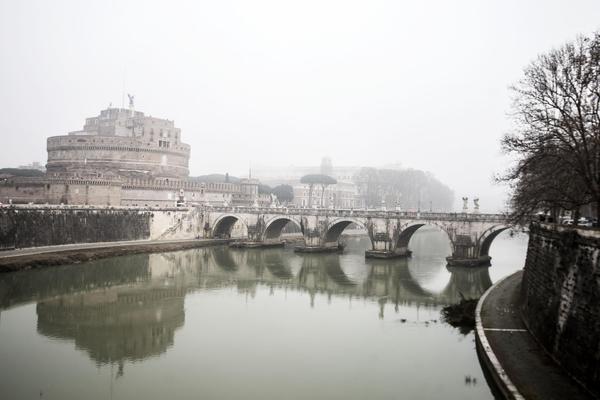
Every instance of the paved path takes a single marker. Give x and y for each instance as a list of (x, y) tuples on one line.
[(30, 251), (516, 354)]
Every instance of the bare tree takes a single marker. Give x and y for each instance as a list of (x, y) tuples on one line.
[(557, 137)]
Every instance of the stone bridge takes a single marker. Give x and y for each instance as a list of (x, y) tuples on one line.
[(470, 234)]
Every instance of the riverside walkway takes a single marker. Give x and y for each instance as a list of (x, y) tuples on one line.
[(33, 257), (520, 367)]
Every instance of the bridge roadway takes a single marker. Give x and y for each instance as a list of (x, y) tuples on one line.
[(470, 234)]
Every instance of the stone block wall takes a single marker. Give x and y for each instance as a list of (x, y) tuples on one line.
[(60, 191), (561, 297), (46, 226), (116, 154)]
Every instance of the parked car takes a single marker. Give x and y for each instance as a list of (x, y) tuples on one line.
[(584, 222)]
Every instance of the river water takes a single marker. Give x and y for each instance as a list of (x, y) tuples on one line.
[(215, 323)]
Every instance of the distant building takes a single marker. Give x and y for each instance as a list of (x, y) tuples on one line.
[(34, 165), (123, 157), (340, 195), (344, 194)]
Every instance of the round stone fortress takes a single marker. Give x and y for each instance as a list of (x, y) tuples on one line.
[(123, 157), (120, 142)]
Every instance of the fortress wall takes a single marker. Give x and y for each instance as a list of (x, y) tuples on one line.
[(125, 154), (133, 192), (34, 192), (561, 297), (60, 191)]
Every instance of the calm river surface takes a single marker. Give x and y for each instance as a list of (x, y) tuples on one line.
[(215, 323)]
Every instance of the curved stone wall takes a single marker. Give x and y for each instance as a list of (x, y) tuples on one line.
[(124, 156), (561, 297)]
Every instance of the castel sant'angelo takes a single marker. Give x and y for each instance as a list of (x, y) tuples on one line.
[(123, 157)]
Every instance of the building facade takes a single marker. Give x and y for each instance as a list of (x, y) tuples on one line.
[(341, 195), (123, 157)]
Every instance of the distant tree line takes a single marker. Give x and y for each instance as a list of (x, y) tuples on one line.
[(557, 136), (408, 189), (21, 172)]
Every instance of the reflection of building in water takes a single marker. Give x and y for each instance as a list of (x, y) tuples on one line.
[(115, 325), (132, 312), (132, 319), (22, 287)]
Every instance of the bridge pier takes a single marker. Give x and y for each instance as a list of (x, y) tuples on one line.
[(471, 243), (334, 248), (468, 262), (385, 235), (322, 233), (249, 244), (258, 235), (386, 254)]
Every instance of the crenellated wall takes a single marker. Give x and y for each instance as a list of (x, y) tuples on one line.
[(561, 297)]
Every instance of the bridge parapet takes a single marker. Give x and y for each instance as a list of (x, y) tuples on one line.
[(361, 213)]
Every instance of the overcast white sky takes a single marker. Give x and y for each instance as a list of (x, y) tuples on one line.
[(421, 83)]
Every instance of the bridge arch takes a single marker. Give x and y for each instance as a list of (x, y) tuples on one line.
[(224, 224), (488, 236), (337, 226), (274, 227), (324, 273), (408, 230), (224, 260)]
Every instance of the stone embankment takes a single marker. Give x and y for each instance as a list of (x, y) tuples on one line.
[(561, 298), (538, 331), (16, 260), (35, 226)]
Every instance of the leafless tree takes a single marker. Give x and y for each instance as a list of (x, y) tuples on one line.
[(557, 136)]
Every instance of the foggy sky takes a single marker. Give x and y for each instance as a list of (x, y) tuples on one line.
[(368, 83)]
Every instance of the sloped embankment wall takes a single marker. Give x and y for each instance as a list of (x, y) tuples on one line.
[(34, 227), (561, 297)]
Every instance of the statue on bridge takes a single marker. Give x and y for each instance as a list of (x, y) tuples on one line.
[(274, 201), (476, 204), (465, 204)]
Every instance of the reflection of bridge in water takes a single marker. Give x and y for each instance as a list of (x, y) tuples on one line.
[(391, 280), (128, 308)]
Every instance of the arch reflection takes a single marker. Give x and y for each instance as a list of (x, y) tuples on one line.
[(127, 309)]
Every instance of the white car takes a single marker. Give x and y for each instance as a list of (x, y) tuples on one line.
[(584, 222)]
